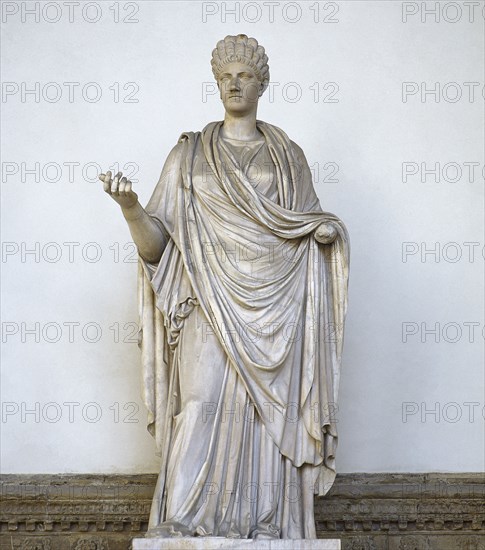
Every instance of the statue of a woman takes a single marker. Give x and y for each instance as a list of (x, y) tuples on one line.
[(242, 293)]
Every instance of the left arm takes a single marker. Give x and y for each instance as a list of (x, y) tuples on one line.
[(326, 232)]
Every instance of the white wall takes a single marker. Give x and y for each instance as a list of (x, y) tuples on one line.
[(369, 133)]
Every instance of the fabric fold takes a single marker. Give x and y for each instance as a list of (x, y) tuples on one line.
[(274, 298)]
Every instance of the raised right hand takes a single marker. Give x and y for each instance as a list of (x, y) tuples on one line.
[(119, 189)]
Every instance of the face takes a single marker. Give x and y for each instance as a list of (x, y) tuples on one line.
[(239, 88)]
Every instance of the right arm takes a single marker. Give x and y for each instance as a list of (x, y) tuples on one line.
[(147, 234)]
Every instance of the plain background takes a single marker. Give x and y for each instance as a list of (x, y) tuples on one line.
[(410, 400)]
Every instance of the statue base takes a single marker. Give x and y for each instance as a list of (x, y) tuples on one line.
[(221, 543)]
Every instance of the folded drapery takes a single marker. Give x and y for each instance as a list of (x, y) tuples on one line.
[(272, 305)]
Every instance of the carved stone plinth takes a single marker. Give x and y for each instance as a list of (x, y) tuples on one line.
[(221, 543)]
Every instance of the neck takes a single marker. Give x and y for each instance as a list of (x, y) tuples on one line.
[(242, 128)]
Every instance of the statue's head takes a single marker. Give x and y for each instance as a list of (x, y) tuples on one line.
[(241, 70)]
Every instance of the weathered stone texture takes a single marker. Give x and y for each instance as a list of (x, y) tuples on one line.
[(366, 511)]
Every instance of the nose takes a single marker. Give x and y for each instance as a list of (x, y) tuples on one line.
[(234, 85)]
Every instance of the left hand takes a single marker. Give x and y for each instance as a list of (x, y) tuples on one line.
[(325, 233)]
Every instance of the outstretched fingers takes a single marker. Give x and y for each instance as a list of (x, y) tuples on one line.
[(115, 184), (119, 189), (121, 186), (125, 187), (106, 179)]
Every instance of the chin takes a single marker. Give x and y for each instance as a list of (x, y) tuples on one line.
[(238, 108), (238, 114)]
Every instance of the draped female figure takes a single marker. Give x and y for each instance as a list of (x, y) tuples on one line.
[(242, 297)]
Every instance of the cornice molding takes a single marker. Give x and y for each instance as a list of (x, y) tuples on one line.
[(367, 511)]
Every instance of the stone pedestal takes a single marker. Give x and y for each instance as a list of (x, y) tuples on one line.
[(221, 543)]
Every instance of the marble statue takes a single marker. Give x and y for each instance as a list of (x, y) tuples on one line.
[(242, 296)]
